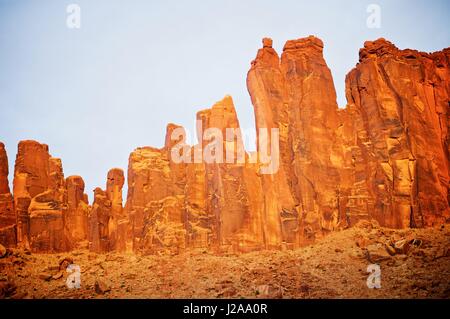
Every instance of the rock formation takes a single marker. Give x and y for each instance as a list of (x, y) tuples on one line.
[(98, 221), (108, 225), (118, 222), (39, 198), (155, 201), (7, 214), (76, 217), (384, 157), (398, 105), (229, 204), (49, 210), (296, 95)]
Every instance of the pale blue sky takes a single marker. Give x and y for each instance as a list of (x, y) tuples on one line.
[(95, 94)]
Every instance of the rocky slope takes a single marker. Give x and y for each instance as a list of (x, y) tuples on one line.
[(414, 263), (385, 157)]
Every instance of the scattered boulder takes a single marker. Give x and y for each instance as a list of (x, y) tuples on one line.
[(402, 246), (7, 288), (391, 250), (269, 291), (3, 251), (367, 225), (53, 268), (45, 276), (227, 292), (362, 242), (65, 262), (57, 276), (101, 287), (263, 290), (377, 253)]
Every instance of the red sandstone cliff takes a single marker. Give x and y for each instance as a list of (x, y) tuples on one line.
[(7, 214), (398, 108), (384, 157)]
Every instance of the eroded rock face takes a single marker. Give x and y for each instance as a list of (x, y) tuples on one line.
[(7, 215), (31, 178), (399, 106), (39, 198), (266, 85), (337, 166), (315, 145), (155, 202), (296, 95), (76, 217), (229, 206), (47, 208), (385, 157), (46, 216), (47, 211), (202, 201), (118, 222), (108, 223), (99, 217)]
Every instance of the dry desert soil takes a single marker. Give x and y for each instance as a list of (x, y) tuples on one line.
[(414, 263)]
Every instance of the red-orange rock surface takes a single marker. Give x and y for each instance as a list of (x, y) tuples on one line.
[(336, 166), (76, 217), (98, 222), (229, 202), (118, 222), (47, 208), (384, 157), (39, 198), (266, 86), (31, 178), (296, 95), (108, 223), (203, 203), (399, 108), (155, 201), (7, 215), (315, 146)]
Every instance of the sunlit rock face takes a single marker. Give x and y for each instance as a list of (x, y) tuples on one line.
[(51, 212), (118, 222), (212, 199), (398, 104), (267, 88), (108, 224), (296, 95), (76, 217), (385, 156), (7, 215), (39, 198), (232, 209), (155, 202)]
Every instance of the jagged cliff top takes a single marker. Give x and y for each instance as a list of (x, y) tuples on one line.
[(381, 48), (309, 43), (336, 167)]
